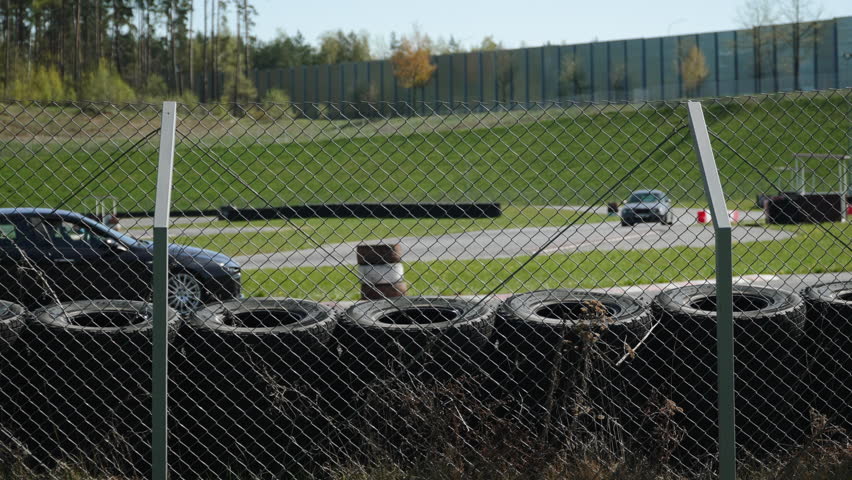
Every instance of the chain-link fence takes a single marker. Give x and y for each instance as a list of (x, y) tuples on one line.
[(539, 283)]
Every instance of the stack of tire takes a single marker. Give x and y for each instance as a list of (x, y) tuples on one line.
[(768, 336), (569, 356), (829, 333), (392, 348), (87, 390), (252, 386), (259, 383)]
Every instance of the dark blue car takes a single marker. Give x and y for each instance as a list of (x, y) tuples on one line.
[(48, 256)]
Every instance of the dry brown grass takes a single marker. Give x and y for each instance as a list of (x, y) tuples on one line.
[(832, 465)]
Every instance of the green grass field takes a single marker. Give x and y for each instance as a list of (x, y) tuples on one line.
[(308, 233), (811, 250), (555, 156), (547, 157)]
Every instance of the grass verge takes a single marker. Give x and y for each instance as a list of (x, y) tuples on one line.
[(548, 156), (811, 250)]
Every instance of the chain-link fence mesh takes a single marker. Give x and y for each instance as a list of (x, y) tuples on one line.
[(539, 283)]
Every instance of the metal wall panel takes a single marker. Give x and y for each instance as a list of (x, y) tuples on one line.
[(738, 62)]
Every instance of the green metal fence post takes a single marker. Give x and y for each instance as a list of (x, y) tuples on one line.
[(724, 291), (160, 353)]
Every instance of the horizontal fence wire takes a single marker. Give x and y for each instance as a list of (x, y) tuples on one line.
[(393, 290)]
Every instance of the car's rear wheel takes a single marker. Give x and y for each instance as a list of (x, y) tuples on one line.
[(12, 318), (185, 292)]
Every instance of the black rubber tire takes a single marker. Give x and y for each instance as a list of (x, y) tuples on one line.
[(536, 340), (782, 304), (768, 334), (56, 328), (626, 224), (392, 342), (627, 319), (829, 334), (242, 358), (89, 380), (369, 318), (12, 320), (221, 357), (372, 343), (58, 324), (308, 324)]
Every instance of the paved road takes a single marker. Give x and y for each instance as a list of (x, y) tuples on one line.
[(185, 226), (146, 223), (487, 244), (187, 230)]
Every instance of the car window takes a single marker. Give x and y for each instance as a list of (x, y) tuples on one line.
[(33, 232), (642, 197), (63, 234), (92, 237), (8, 234), (105, 232)]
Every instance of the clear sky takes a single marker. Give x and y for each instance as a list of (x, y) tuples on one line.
[(528, 22)]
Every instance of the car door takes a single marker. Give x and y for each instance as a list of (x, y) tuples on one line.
[(32, 256), (99, 265), (56, 274), (125, 271)]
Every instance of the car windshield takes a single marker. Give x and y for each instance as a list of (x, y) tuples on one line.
[(643, 197), (122, 237)]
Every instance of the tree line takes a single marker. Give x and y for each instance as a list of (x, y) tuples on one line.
[(124, 50)]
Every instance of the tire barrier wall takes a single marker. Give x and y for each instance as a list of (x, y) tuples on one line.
[(272, 376), (365, 210), (254, 378), (84, 380), (827, 328), (809, 208)]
